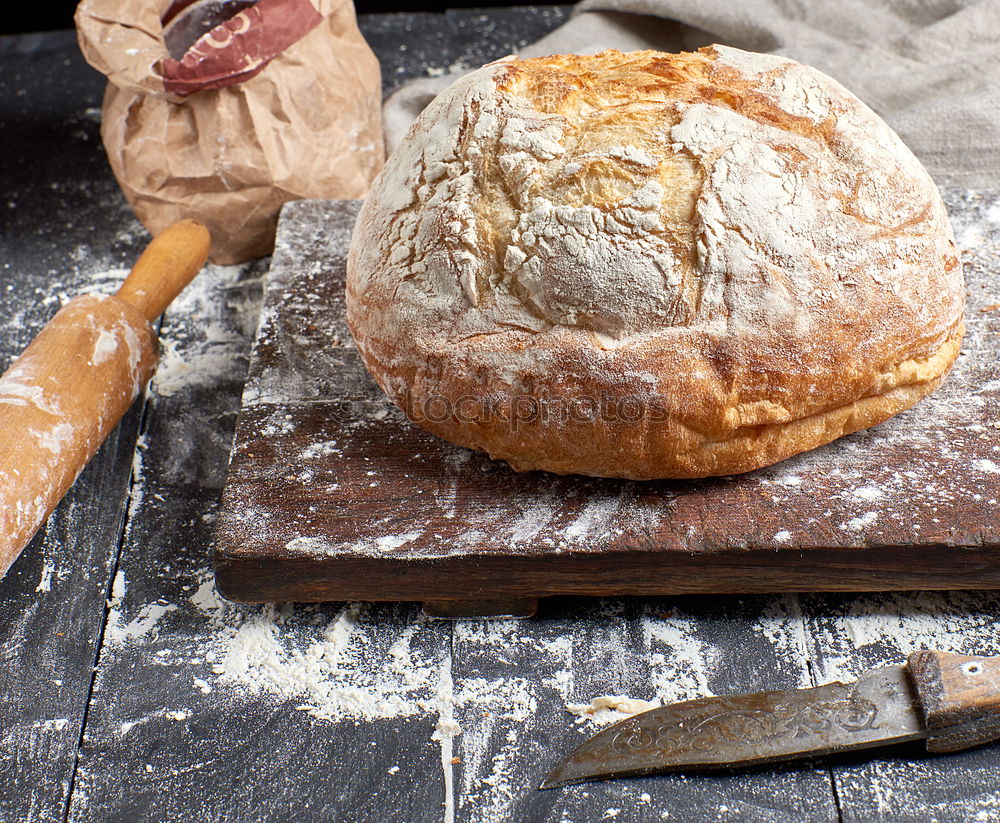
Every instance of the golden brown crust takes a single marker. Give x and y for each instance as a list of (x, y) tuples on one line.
[(646, 265)]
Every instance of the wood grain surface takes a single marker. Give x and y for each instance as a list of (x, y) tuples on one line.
[(333, 494), (133, 692)]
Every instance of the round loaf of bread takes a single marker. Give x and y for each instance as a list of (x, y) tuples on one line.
[(651, 265)]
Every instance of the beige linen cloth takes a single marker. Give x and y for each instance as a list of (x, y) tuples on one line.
[(930, 68)]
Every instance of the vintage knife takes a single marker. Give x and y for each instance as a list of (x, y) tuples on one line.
[(950, 700)]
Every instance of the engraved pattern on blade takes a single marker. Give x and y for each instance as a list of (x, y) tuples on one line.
[(782, 726), (750, 729)]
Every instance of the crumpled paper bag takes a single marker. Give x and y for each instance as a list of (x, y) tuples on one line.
[(222, 110)]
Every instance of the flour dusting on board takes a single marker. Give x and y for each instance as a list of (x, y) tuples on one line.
[(45, 583), (116, 633), (928, 475)]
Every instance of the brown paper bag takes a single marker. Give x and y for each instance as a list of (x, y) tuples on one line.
[(222, 110)]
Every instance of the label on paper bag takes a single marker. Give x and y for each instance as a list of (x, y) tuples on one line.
[(223, 110), (214, 44)]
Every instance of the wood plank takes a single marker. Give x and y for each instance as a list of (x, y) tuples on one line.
[(51, 614), (360, 503), (65, 230)]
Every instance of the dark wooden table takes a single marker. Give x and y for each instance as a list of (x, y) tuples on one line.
[(131, 691)]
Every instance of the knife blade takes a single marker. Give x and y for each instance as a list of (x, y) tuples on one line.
[(950, 700)]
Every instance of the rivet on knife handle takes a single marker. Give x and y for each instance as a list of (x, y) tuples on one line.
[(959, 692)]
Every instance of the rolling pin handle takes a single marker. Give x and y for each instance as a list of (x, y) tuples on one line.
[(167, 265)]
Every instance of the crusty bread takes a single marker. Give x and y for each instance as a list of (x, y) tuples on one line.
[(653, 265)]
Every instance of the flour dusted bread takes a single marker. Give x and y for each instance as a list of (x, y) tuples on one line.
[(652, 265)]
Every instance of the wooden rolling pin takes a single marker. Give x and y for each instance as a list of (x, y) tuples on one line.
[(62, 397)]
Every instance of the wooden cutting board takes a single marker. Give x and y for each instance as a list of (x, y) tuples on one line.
[(332, 494)]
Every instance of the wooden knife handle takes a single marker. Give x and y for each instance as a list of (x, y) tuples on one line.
[(167, 265), (957, 691)]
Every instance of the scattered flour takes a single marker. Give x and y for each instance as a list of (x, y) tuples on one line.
[(205, 354), (536, 515), (610, 708), (595, 518), (172, 370), (680, 662), (392, 542), (55, 725), (115, 633), (882, 628), (59, 435), (347, 667), (857, 524), (445, 731), (45, 583), (117, 589), (782, 624), (104, 348), (987, 466), (344, 668), (323, 448), (202, 367)]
